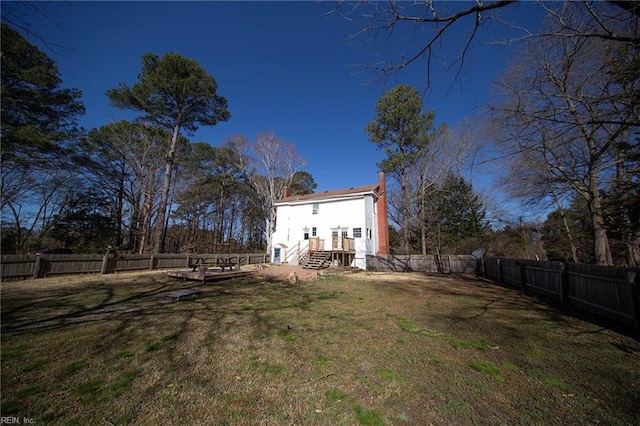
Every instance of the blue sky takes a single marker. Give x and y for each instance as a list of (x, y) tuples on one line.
[(282, 66)]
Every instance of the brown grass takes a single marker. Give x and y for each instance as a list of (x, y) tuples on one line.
[(363, 349)]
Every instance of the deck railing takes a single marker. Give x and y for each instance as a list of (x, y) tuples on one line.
[(316, 244)]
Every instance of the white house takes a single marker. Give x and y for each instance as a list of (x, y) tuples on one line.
[(342, 226)]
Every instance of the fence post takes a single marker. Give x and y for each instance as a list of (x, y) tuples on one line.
[(105, 261), (38, 267), (523, 276), (634, 284), (500, 274), (188, 261), (564, 284), (152, 262)]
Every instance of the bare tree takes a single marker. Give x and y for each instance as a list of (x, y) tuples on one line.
[(452, 149), (430, 22), (34, 199), (125, 162), (269, 165), (563, 119)]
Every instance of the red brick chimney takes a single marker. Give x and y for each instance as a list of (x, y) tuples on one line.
[(286, 192), (383, 220)]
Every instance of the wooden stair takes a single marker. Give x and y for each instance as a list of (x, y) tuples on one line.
[(318, 260), (304, 258)]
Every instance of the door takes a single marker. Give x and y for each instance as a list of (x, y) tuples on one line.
[(276, 255), (334, 239)]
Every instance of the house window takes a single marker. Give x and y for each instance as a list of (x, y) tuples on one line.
[(369, 233), (306, 233), (314, 232), (344, 233), (357, 232), (315, 208)]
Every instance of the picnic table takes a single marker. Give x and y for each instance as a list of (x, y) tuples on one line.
[(226, 262), (221, 262)]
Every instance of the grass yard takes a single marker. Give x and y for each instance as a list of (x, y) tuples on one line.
[(368, 348)]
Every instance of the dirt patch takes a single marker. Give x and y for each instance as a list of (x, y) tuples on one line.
[(281, 272)]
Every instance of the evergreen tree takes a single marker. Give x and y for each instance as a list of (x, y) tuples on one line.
[(38, 129), (457, 216), (302, 183), (37, 115), (403, 131), (177, 94)]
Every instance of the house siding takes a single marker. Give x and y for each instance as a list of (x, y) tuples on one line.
[(347, 212)]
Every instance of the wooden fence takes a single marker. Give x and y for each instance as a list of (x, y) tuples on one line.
[(20, 267), (459, 264), (605, 291)]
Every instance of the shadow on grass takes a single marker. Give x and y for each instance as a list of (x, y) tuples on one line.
[(62, 308), (117, 325)]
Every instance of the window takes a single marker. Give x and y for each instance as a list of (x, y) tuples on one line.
[(357, 232), (344, 233), (314, 232), (369, 233), (306, 233), (315, 208)]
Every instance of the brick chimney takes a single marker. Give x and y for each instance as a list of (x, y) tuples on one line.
[(383, 220), (286, 192)]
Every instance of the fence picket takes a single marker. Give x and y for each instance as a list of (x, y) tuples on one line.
[(20, 267)]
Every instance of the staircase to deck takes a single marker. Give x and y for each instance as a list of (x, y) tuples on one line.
[(304, 258), (318, 260)]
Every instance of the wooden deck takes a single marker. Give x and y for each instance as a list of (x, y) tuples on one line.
[(208, 275)]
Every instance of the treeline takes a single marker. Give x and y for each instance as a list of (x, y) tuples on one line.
[(564, 128), (563, 131), (136, 186)]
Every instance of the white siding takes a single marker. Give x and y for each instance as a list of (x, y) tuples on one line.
[(347, 212)]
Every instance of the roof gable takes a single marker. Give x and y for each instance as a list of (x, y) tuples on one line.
[(330, 194)]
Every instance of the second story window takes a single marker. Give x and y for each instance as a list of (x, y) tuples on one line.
[(315, 208), (357, 232), (314, 232)]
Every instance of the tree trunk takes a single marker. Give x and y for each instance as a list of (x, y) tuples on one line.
[(567, 229), (120, 211), (162, 209), (574, 249), (268, 233), (601, 251)]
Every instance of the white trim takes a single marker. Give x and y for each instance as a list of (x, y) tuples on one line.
[(327, 199)]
